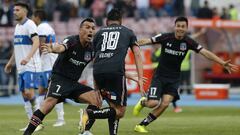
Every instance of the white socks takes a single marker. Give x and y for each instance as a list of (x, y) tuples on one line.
[(28, 109), (59, 110), (40, 100)]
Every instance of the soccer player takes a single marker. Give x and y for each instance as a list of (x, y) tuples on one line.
[(26, 56), (111, 44), (75, 52), (47, 35), (165, 82)]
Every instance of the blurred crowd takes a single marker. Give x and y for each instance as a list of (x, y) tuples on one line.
[(132, 8)]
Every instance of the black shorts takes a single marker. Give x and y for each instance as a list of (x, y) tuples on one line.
[(161, 86), (62, 88), (113, 88)]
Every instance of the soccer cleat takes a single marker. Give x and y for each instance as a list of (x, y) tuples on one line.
[(23, 129), (177, 110), (140, 129), (39, 128), (59, 123), (138, 107), (85, 133), (83, 120)]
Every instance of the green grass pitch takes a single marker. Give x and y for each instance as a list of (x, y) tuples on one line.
[(192, 121)]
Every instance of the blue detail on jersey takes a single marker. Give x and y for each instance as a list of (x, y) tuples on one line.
[(28, 80), (51, 38), (22, 40)]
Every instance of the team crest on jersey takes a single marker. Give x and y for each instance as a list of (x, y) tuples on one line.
[(183, 46), (87, 56)]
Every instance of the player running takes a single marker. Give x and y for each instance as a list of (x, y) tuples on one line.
[(165, 82)]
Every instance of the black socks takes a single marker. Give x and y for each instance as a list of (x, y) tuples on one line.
[(36, 120), (150, 118)]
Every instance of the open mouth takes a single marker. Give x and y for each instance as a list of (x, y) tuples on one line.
[(90, 35)]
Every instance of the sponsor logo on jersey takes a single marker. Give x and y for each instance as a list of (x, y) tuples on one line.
[(76, 62), (168, 44), (87, 56), (74, 53), (173, 52), (183, 46), (199, 47)]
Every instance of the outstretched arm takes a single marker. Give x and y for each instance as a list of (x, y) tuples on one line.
[(145, 41), (50, 48), (226, 64), (139, 65)]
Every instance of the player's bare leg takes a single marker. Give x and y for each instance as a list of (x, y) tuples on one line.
[(166, 100)]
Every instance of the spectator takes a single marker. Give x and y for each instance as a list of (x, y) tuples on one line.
[(168, 8), (157, 6), (194, 7), (6, 16), (119, 4), (98, 10), (205, 12), (215, 14), (109, 5), (225, 14), (49, 8), (185, 74), (179, 9), (4, 56), (233, 12), (142, 8), (84, 8), (130, 8), (64, 7)]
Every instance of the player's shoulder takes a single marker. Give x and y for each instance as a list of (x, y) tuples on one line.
[(170, 34), (166, 36), (127, 29), (188, 38), (29, 22), (72, 38), (44, 25)]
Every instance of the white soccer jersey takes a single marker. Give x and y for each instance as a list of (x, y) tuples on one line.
[(23, 45), (45, 30)]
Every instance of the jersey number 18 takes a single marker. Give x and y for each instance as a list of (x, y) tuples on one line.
[(110, 40)]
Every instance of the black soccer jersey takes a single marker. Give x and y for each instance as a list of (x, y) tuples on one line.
[(73, 60), (173, 52), (110, 45)]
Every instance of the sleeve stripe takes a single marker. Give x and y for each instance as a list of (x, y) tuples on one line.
[(65, 46), (153, 39), (34, 34), (42, 36)]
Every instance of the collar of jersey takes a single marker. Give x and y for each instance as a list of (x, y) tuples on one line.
[(43, 22), (113, 24), (25, 20)]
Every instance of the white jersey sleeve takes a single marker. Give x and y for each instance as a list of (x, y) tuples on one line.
[(32, 28), (45, 30)]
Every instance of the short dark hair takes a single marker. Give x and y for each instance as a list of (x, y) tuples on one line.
[(87, 20), (114, 15), (41, 14), (181, 19), (22, 4)]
